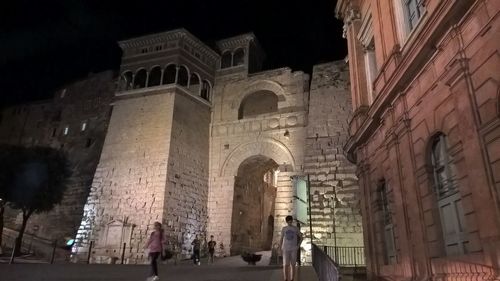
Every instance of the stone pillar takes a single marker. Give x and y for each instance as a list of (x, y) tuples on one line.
[(284, 203), (352, 25)]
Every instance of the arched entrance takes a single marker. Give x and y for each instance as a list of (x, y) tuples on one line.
[(253, 205), (245, 181)]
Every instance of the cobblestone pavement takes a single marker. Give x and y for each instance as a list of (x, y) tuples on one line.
[(227, 269)]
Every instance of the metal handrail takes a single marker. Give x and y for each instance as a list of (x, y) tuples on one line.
[(325, 268)]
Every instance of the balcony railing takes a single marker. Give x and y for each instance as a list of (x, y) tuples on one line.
[(323, 265)]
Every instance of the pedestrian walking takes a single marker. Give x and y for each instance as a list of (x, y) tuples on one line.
[(155, 247), (211, 249), (196, 250), (289, 243)]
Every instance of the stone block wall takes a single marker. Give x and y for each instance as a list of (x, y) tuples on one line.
[(336, 213), (233, 141), (186, 197), (129, 186), (253, 206)]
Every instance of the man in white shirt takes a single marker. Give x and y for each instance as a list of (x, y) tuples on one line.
[(289, 243)]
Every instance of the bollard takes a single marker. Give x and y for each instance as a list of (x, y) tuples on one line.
[(123, 251), (90, 251), (52, 257), (12, 256)]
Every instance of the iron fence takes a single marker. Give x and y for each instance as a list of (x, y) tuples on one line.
[(323, 265), (346, 256)]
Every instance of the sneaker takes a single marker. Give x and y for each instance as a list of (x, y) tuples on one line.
[(155, 278), (199, 263)]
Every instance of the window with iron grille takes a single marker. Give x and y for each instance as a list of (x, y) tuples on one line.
[(444, 177), (413, 11)]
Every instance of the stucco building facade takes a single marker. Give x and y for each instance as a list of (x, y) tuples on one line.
[(425, 135)]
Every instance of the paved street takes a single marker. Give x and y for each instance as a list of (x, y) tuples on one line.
[(227, 269)]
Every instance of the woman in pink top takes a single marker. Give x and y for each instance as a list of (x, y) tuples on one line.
[(155, 246)]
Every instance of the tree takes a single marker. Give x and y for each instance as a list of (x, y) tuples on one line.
[(38, 183), (9, 159)]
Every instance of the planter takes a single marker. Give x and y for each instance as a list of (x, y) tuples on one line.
[(251, 258)]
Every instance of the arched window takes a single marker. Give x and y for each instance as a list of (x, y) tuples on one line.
[(205, 90), (182, 76), (140, 79), (194, 83), (126, 81), (169, 74), (260, 102), (154, 77), (226, 59), (448, 197), (239, 57)]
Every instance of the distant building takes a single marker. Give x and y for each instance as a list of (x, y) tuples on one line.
[(425, 135), (207, 143), (74, 120)]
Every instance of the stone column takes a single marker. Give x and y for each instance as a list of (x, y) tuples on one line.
[(176, 74)]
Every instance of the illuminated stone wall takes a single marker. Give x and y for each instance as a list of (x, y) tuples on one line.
[(331, 174), (129, 185), (234, 141), (173, 155), (185, 209)]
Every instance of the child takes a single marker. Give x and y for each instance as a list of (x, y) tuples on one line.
[(211, 249), (289, 243)]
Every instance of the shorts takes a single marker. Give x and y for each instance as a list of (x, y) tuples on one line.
[(289, 257)]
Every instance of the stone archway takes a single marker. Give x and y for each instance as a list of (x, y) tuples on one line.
[(253, 203), (268, 147), (243, 170)]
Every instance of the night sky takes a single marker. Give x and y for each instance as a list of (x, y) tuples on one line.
[(46, 44)]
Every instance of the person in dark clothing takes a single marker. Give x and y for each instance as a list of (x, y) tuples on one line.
[(196, 250), (211, 249)]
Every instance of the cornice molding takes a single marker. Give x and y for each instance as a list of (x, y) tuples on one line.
[(352, 15), (236, 41), (176, 34), (152, 39)]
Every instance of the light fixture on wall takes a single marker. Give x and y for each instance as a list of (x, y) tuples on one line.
[(286, 134)]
